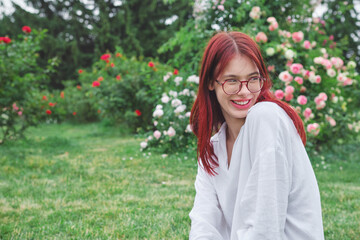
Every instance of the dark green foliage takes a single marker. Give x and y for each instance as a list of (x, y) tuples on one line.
[(77, 32)]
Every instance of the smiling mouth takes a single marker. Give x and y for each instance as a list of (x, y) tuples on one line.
[(241, 103)]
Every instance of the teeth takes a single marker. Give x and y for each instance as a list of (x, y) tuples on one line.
[(242, 102)]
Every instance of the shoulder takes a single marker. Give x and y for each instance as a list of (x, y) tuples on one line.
[(266, 110), (268, 113)]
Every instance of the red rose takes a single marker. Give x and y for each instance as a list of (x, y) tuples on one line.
[(118, 77), (74, 113), (80, 71), (118, 55), (100, 79), (137, 111), (26, 29), (62, 94), (48, 112), (51, 104), (151, 64), (96, 84), (105, 57), (44, 98), (78, 87), (112, 65), (5, 40), (176, 72)]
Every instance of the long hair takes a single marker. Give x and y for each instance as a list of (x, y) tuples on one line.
[(206, 115)]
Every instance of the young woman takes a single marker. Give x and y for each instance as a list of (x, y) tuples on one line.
[(255, 180)]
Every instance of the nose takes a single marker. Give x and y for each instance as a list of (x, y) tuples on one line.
[(243, 89)]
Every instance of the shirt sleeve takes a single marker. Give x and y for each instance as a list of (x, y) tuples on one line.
[(207, 221), (265, 198)]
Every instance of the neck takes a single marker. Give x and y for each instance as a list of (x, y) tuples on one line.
[(233, 129)]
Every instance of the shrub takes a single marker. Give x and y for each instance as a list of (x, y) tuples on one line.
[(21, 82)]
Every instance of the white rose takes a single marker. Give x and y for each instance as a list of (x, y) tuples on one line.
[(165, 99), (176, 102), (158, 113), (351, 64), (188, 128), (143, 145), (331, 72), (270, 51), (177, 80), (180, 109), (193, 78), (173, 93), (289, 54)]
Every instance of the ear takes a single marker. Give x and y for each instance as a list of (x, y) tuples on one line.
[(211, 86)]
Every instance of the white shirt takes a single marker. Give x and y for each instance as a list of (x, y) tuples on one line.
[(269, 191)]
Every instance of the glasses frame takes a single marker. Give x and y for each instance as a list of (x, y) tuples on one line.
[(241, 84)]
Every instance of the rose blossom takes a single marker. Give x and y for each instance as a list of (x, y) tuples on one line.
[(165, 99), (143, 145), (285, 76), (296, 68), (313, 128), (307, 113), (299, 80), (348, 81), (26, 29), (289, 54), (176, 102), (171, 132), (221, 7), (289, 96), (307, 44), (261, 37), (270, 51), (302, 100), (157, 134), (331, 72), (279, 94), (95, 84), (273, 26), (298, 36), (331, 121), (337, 62), (158, 113), (289, 89)]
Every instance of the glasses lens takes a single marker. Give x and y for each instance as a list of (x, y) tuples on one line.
[(231, 86), (255, 84)]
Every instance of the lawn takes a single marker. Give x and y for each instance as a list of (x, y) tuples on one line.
[(92, 182)]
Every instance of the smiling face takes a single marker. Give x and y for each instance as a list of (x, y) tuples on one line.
[(235, 107)]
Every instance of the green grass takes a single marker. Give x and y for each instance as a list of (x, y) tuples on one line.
[(92, 182)]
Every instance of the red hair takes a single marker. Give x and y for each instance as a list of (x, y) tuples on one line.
[(206, 115)]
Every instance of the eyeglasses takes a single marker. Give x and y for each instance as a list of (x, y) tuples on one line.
[(233, 86)]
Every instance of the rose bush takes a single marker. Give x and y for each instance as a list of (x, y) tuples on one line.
[(117, 89), (306, 67), (21, 83)]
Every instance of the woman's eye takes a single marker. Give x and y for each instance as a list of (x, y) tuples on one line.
[(231, 80)]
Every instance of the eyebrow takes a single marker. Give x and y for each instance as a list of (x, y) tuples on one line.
[(250, 74)]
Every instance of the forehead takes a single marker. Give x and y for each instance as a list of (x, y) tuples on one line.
[(239, 65)]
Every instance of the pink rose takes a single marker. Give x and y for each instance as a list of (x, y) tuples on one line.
[(285, 76), (331, 121), (157, 134), (289, 89), (317, 79), (261, 37), (299, 80), (302, 89), (221, 7), (321, 105), (348, 81), (298, 36), (323, 96), (337, 62), (296, 68), (307, 44), (307, 113), (271, 68), (19, 113), (289, 96), (313, 128), (302, 100), (273, 26), (279, 94), (326, 63)]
